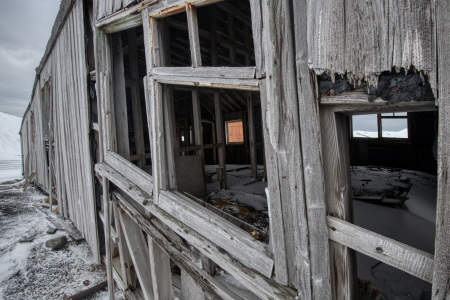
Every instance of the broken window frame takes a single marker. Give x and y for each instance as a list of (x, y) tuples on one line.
[(335, 143), (137, 175), (113, 168), (165, 196)]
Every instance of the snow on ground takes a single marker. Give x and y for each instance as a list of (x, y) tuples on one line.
[(30, 270), (411, 223), (10, 153), (386, 134), (9, 137)]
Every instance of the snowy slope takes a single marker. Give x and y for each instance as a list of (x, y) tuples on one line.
[(386, 133), (9, 137), (10, 156)]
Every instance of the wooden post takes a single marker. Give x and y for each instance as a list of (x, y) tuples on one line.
[(220, 140), (198, 133), (338, 195), (124, 255), (108, 244), (120, 100), (283, 150), (137, 246), (441, 269), (251, 135), (313, 173), (135, 83)]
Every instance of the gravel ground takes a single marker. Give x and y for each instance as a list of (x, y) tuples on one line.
[(30, 270)]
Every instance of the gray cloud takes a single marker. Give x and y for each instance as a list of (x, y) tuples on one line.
[(24, 31)]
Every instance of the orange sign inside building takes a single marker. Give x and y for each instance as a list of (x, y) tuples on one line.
[(235, 132)]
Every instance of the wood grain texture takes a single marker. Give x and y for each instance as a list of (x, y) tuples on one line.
[(313, 169), (282, 145), (173, 246), (336, 163), (64, 68), (441, 271), (161, 271), (406, 258), (366, 38), (254, 281), (137, 246), (207, 72)]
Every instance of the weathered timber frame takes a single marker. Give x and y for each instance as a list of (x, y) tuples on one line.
[(345, 237), (309, 200), (156, 190)]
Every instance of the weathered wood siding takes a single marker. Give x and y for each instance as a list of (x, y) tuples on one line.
[(64, 66), (368, 37), (108, 7), (34, 161)]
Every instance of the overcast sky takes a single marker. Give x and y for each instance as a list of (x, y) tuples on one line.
[(25, 27)]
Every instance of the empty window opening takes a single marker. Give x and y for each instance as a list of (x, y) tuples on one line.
[(175, 37), (130, 115), (225, 32), (385, 125), (394, 191), (227, 175)]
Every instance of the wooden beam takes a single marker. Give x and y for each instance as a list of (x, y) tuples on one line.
[(137, 247), (220, 139), (312, 161), (230, 237), (338, 194), (255, 282), (194, 40), (161, 271), (224, 83), (258, 43), (120, 100), (108, 244), (401, 256), (135, 174), (124, 255), (136, 98), (174, 246), (282, 147), (206, 72), (251, 135), (441, 270)]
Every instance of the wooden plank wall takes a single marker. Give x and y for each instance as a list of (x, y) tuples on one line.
[(66, 68), (368, 37), (34, 154), (108, 7)]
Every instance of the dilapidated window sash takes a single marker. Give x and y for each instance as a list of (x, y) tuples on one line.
[(347, 236), (237, 78)]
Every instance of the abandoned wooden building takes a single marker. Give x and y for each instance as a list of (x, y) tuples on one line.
[(211, 149)]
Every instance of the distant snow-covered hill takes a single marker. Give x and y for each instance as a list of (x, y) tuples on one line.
[(9, 137)]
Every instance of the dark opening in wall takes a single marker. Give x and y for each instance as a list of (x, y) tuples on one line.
[(128, 101), (393, 183), (392, 86), (225, 31), (175, 36), (228, 178)]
